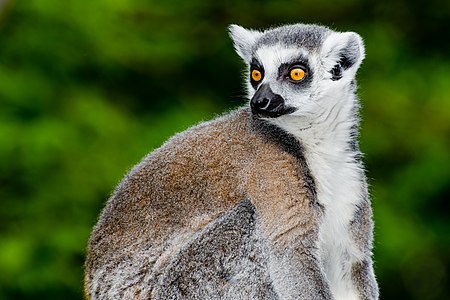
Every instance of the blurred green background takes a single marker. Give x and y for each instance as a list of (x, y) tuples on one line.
[(87, 88)]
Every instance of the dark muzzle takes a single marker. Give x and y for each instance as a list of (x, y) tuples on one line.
[(266, 103)]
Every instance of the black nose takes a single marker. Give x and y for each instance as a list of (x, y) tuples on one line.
[(265, 100), (266, 103)]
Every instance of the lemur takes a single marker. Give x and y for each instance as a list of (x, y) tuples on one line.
[(269, 201)]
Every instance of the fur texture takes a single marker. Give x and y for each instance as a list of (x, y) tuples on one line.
[(251, 206)]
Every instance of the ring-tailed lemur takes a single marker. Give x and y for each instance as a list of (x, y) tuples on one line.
[(267, 202)]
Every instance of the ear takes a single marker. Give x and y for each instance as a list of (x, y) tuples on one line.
[(342, 54), (243, 40)]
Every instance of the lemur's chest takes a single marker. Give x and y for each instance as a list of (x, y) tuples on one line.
[(339, 187), (338, 181)]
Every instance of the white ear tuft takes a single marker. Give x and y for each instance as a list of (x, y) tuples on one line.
[(243, 40), (345, 50)]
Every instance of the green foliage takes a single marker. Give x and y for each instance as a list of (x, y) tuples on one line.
[(87, 88)]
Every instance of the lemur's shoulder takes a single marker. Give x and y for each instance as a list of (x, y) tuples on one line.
[(224, 143)]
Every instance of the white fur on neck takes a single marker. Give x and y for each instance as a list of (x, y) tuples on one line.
[(339, 183)]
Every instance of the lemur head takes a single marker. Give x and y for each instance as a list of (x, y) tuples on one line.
[(297, 69)]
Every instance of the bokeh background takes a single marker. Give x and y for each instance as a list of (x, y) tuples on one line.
[(87, 88)]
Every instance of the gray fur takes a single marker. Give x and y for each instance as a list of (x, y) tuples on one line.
[(308, 36), (235, 258), (234, 208)]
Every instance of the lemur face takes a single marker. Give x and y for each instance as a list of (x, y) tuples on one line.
[(297, 69), (283, 80)]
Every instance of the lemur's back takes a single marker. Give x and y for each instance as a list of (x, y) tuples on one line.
[(181, 222)]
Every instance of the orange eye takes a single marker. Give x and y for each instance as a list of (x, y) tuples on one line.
[(256, 75), (297, 74)]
